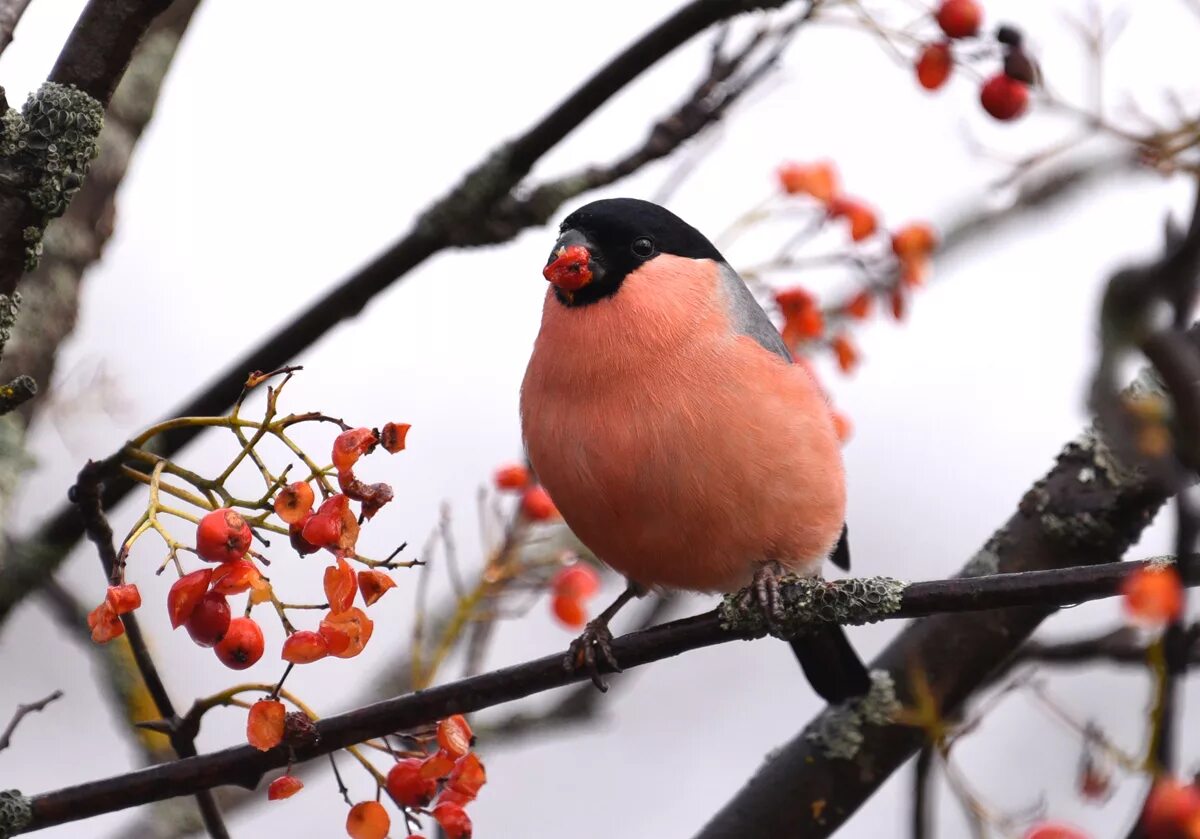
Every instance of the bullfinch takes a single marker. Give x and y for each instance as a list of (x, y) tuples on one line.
[(662, 412)]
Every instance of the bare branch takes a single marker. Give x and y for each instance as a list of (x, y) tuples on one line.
[(807, 602), (10, 15), (22, 712)]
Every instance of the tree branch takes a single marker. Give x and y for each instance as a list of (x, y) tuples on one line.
[(807, 603), (10, 15), (22, 712)]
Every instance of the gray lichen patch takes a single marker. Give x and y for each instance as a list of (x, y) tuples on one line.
[(838, 732), (15, 812), (8, 317), (805, 602), (45, 151)]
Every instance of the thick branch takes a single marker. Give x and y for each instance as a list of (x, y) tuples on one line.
[(245, 765), (10, 15)]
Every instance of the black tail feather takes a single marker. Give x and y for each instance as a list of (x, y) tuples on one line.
[(841, 552), (831, 664)]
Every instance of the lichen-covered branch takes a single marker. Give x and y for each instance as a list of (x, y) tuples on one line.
[(838, 733)]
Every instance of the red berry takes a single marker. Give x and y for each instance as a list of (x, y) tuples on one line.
[(296, 535), (373, 585), (122, 599), (1171, 807), (916, 240), (859, 306), (1153, 595), (304, 647), (209, 621), (437, 765), (454, 735), (934, 65), (242, 645), (819, 180), (846, 352), (351, 445), (294, 501), (960, 18), (185, 593), (899, 304), (265, 724), (222, 536), (1004, 98), (512, 477), (861, 217), (406, 786), (536, 504), (346, 634), (393, 435), (454, 820), (234, 577), (468, 776), (570, 611), (104, 624), (368, 820), (340, 586), (285, 786), (578, 580)]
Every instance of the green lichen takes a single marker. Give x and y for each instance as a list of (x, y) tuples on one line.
[(985, 562), (8, 317), (34, 246), (16, 812), (838, 731), (805, 602), (45, 151)]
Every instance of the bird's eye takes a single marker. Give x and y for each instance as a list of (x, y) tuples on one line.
[(643, 246)]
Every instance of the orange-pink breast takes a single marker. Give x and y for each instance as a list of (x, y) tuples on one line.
[(681, 453)]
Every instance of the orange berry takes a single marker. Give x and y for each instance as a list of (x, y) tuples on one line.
[(1153, 595), (960, 18), (842, 426), (104, 624), (820, 180), (347, 633), (1170, 808), (454, 735), (368, 820), (222, 536), (913, 271), (536, 504), (322, 531), (438, 765), (122, 599), (514, 476), (351, 445), (234, 577), (450, 796), (1054, 830), (393, 435), (847, 354), (242, 645), (296, 535), (899, 304), (859, 306), (577, 580), (406, 786), (803, 325), (340, 586), (285, 786), (468, 776), (374, 584), (914, 240), (294, 501), (304, 647), (209, 621), (264, 724), (185, 593), (455, 822), (934, 65), (795, 299), (861, 217), (570, 611), (1004, 98)]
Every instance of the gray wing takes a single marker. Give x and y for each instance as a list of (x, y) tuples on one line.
[(747, 316)]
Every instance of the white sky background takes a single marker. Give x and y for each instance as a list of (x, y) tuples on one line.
[(293, 142)]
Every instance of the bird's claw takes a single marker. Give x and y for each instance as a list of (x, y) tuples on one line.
[(589, 650), (764, 591)]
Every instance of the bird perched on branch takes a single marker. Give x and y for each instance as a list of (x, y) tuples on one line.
[(663, 413)]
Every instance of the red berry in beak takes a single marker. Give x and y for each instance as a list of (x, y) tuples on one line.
[(569, 270)]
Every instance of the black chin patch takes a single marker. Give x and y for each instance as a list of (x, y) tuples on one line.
[(612, 226)]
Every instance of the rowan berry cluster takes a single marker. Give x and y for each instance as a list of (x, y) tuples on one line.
[(1004, 94)]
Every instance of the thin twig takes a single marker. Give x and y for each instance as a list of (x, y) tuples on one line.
[(23, 711)]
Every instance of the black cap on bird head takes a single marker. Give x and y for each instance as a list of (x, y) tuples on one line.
[(602, 243)]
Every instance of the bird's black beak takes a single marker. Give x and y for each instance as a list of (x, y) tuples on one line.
[(572, 263)]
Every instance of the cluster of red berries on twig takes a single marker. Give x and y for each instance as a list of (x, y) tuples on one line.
[(889, 272), (1005, 94)]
